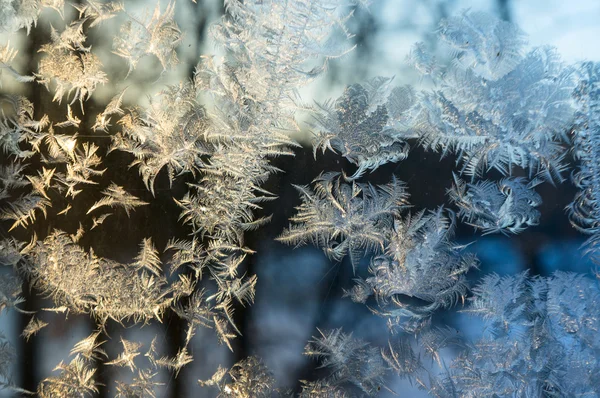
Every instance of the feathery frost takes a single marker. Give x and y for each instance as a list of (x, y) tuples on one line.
[(366, 124), (85, 283), (541, 340), (420, 272), (494, 104), (494, 107), (345, 218), (505, 206), (584, 211)]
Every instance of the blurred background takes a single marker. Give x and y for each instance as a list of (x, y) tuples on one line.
[(300, 290)]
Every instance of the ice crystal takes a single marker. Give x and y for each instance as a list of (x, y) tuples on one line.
[(349, 360), (179, 361), (584, 211), (23, 210), (143, 385), (495, 108), (89, 347), (71, 68), (104, 118), (363, 124), (494, 104), (85, 283), (345, 219), (247, 378), (18, 126), (541, 340), (169, 133), (421, 271), (98, 12), (116, 196), (126, 358), (492, 47), (506, 206), (7, 55), (276, 48), (7, 358), (223, 207), (158, 35), (75, 379), (34, 326), (16, 14)]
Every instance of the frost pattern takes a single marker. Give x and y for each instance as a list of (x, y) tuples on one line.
[(540, 339), (169, 134), (493, 104), (18, 125), (506, 206), (116, 196), (10, 298), (584, 211), (494, 108), (420, 272), (75, 379), (7, 55), (247, 378), (70, 66), (345, 219), (16, 14), (349, 361), (486, 44), (159, 35), (34, 326), (365, 124), (98, 12), (355, 368), (84, 283)]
